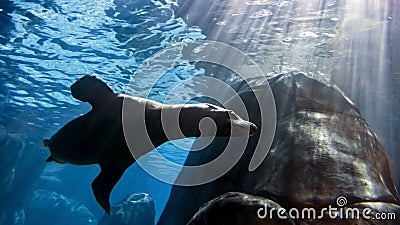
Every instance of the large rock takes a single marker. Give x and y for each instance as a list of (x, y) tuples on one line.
[(14, 183), (323, 149), (11, 149), (135, 209), (238, 208)]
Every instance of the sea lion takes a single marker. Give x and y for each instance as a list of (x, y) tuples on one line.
[(98, 136)]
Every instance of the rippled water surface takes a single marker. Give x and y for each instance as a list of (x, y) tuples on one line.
[(46, 45)]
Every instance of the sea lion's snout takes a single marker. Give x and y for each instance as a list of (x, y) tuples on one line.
[(239, 127), (51, 158), (253, 129), (46, 143), (242, 127)]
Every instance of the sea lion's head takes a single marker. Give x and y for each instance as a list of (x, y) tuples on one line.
[(51, 158), (229, 123)]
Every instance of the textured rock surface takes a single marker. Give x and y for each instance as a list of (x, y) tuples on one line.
[(12, 148), (237, 208), (322, 149), (135, 209), (45, 206), (9, 159)]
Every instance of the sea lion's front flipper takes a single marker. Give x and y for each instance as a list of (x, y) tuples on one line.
[(105, 182)]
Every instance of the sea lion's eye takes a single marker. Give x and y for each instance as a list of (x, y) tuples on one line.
[(210, 106)]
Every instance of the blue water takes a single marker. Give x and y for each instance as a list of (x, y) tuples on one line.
[(46, 45)]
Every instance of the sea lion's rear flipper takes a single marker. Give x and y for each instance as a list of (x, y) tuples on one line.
[(105, 182)]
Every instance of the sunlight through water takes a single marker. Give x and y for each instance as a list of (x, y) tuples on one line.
[(46, 45)]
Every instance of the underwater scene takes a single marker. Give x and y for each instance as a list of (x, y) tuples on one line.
[(287, 112)]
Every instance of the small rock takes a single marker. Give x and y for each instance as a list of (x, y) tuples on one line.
[(137, 208)]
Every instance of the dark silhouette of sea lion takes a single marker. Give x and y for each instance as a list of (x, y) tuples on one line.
[(98, 137)]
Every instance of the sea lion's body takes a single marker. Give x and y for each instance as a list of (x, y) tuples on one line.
[(84, 140), (97, 137)]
